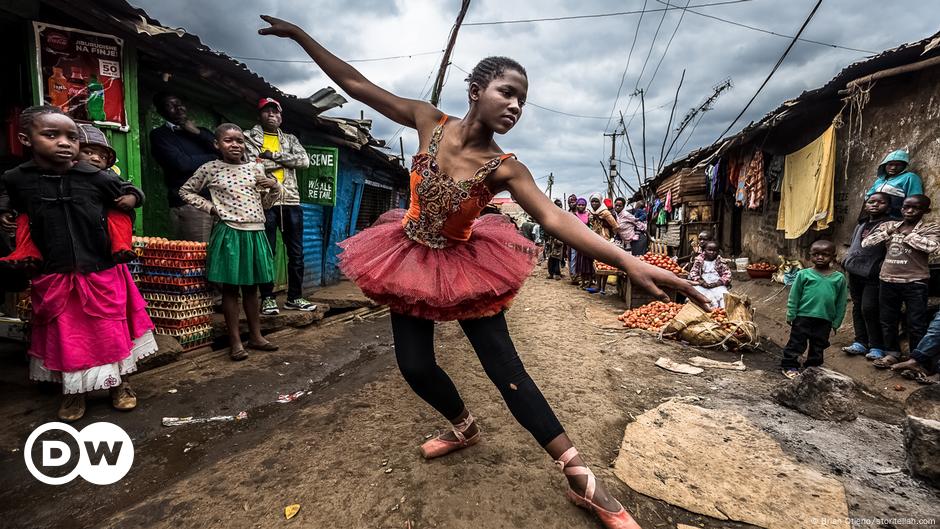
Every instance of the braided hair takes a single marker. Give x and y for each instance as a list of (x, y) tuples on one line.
[(28, 115), (492, 68)]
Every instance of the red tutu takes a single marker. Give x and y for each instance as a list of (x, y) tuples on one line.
[(466, 280)]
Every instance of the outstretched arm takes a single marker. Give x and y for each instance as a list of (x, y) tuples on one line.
[(408, 112), (516, 178)]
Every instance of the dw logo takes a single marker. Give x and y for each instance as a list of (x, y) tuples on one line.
[(101, 453)]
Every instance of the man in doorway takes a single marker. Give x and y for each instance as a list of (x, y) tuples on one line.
[(181, 147), (282, 154)]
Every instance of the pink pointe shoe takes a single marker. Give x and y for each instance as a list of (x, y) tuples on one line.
[(438, 446), (612, 520)]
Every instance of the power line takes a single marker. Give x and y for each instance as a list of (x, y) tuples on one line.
[(309, 61), (652, 45), (598, 15), (543, 107), (767, 31), (623, 76), (563, 113), (779, 62), (668, 44)]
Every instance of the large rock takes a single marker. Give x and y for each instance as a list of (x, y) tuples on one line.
[(718, 463), (924, 403), (922, 448), (820, 393)]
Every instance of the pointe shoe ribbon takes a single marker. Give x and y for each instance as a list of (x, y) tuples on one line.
[(610, 519), (438, 446)]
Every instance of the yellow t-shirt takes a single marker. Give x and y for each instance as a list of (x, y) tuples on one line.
[(273, 143)]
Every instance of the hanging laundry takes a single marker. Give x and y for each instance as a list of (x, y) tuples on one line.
[(774, 171), (754, 186), (668, 206), (807, 195)]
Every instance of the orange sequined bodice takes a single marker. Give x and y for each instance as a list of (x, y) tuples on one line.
[(442, 209)]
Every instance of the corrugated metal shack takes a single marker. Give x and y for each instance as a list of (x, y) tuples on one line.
[(886, 102), (216, 89)]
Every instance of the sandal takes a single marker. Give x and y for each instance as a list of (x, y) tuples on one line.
[(885, 362), (238, 354), (919, 376), (438, 446), (612, 520), (265, 346)]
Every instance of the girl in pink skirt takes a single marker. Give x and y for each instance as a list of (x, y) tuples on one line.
[(89, 326)]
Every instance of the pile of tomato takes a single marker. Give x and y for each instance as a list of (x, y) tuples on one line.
[(652, 317), (662, 261), (721, 317), (603, 267), (763, 267)]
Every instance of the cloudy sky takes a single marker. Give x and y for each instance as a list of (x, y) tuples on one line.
[(576, 67)]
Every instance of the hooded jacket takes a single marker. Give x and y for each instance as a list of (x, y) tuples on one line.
[(291, 157), (898, 187)]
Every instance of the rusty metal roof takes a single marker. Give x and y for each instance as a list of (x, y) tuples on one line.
[(216, 68), (790, 109)]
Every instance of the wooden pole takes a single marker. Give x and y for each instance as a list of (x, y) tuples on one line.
[(445, 61)]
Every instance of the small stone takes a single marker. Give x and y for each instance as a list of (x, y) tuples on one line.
[(385, 462), (820, 393), (388, 471)]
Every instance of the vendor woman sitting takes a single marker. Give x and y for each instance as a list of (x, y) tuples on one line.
[(710, 275)]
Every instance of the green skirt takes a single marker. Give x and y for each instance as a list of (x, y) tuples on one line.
[(239, 257)]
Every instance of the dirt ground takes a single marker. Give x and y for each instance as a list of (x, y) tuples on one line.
[(347, 453)]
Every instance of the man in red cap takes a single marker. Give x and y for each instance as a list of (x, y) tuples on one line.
[(282, 154)]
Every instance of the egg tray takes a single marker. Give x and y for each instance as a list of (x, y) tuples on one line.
[(166, 323), (178, 290), (173, 272), (187, 333), (173, 280), (170, 314), (177, 306), (163, 262), (196, 344), (197, 299), (174, 254)]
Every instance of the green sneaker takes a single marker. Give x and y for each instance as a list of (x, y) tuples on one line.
[(269, 307), (300, 304)]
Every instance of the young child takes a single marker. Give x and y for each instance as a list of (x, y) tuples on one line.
[(815, 306), (710, 275), (89, 323), (894, 179), (863, 266), (93, 148), (904, 274), (240, 257)]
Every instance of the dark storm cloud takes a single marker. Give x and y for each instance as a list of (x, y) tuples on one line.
[(574, 66)]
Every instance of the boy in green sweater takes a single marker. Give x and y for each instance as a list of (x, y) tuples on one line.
[(816, 305)]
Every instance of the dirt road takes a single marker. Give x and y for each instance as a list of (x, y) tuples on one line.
[(347, 453)]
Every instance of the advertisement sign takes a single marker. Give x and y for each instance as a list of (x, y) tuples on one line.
[(80, 72), (318, 182)]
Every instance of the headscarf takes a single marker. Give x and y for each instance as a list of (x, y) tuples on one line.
[(582, 216), (600, 208)]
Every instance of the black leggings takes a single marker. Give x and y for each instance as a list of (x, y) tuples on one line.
[(414, 350)]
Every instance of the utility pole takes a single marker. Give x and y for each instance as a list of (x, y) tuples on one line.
[(551, 182), (445, 61), (672, 114), (643, 115), (626, 135), (401, 145), (612, 172)]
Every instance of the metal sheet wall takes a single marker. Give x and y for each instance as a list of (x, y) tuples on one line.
[(313, 245), (350, 181)]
